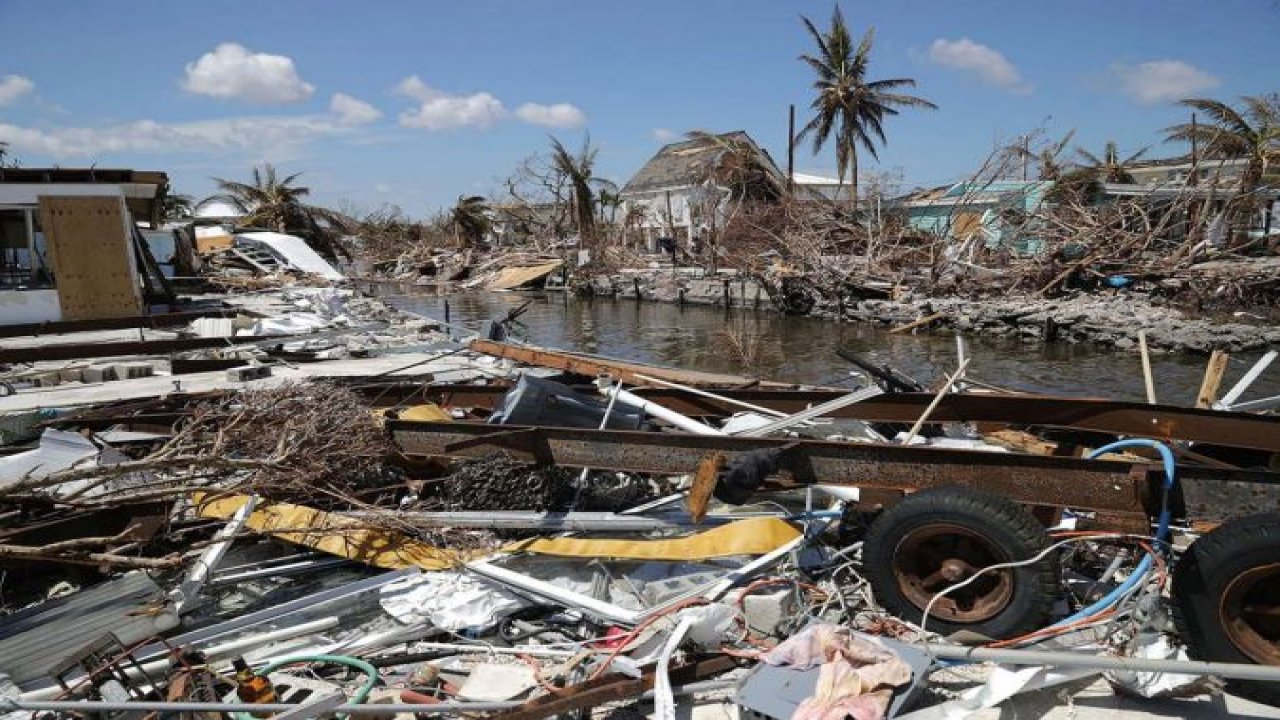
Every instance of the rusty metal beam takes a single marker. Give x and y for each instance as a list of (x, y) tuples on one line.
[(1052, 481), (1210, 427)]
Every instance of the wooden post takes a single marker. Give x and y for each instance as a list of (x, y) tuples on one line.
[(1147, 378), (1213, 373)]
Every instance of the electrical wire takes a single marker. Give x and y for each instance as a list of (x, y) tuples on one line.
[(1092, 613)]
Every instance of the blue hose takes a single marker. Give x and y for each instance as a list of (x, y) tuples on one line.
[(1162, 529)]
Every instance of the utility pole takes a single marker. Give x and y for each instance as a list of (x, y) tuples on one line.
[(1026, 155), (1195, 161), (791, 149)]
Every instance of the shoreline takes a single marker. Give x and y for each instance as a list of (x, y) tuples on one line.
[(1111, 318)]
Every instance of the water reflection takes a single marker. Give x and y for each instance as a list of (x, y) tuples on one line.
[(803, 349)]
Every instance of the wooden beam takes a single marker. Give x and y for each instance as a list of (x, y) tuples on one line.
[(1213, 373), (1147, 379), (927, 319), (593, 366)]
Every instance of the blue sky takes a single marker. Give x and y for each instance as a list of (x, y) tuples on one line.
[(414, 103)]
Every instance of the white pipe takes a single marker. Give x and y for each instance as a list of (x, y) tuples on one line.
[(664, 414), (1235, 392), (202, 569), (531, 650), (816, 411), (703, 393)]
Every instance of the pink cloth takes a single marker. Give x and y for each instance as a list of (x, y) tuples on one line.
[(856, 677)]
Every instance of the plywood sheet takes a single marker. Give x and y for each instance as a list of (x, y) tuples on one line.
[(92, 256), (514, 277)]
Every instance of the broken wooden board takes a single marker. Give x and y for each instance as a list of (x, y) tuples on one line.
[(593, 366), (91, 251)]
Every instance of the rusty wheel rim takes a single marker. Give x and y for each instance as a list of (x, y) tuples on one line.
[(935, 557), (1250, 613)]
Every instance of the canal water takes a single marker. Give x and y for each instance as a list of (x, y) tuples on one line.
[(799, 349)]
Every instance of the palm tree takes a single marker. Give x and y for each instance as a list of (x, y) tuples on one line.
[(6, 157), (470, 220), (176, 206), (276, 203), (579, 171), (1251, 131), (1048, 158), (1109, 168), (847, 103)]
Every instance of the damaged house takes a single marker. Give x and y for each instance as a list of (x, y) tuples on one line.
[(690, 188), (992, 213), (70, 245)]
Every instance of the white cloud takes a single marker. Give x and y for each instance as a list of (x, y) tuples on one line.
[(1162, 81), (664, 135), (438, 110), (352, 111), (988, 64), (13, 87), (559, 115), (232, 72), (382, 188), (277, 135)]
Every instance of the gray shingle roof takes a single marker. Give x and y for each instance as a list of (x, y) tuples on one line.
[(686, 163)]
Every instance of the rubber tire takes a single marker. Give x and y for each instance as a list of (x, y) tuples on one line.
[(1005, 523), (1201, 577)]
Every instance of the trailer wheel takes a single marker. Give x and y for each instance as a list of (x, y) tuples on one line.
[(940, 537), (1226, 593)]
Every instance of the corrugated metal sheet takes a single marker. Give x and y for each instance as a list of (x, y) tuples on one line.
[(39, 638)]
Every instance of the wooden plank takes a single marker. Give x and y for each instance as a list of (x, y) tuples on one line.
[(927, 319), (592, 366), (1147, 378), (93, 261), (1213, 373)]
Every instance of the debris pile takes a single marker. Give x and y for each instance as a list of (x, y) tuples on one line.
[(481, 539)]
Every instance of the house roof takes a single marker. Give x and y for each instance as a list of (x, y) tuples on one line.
[(806, 179), (966, 193), (685, 163)]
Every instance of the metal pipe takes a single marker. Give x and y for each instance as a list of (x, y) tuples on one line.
[(446, 708), (683, 422), (816, 411), (703, 393), (1238, 389), (460, 648), (1259, 404), (200, 572), (277, 570), (1237, 671), (517, 520)]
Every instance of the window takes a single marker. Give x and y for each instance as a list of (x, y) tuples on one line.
[(22, 258)]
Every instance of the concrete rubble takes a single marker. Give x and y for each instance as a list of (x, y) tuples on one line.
[(360, 512)]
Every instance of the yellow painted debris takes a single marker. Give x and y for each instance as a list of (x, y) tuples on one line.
[(335, 534), (754, 536), (352, 539)]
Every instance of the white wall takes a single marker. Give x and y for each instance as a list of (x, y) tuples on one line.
[(29, 306)]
